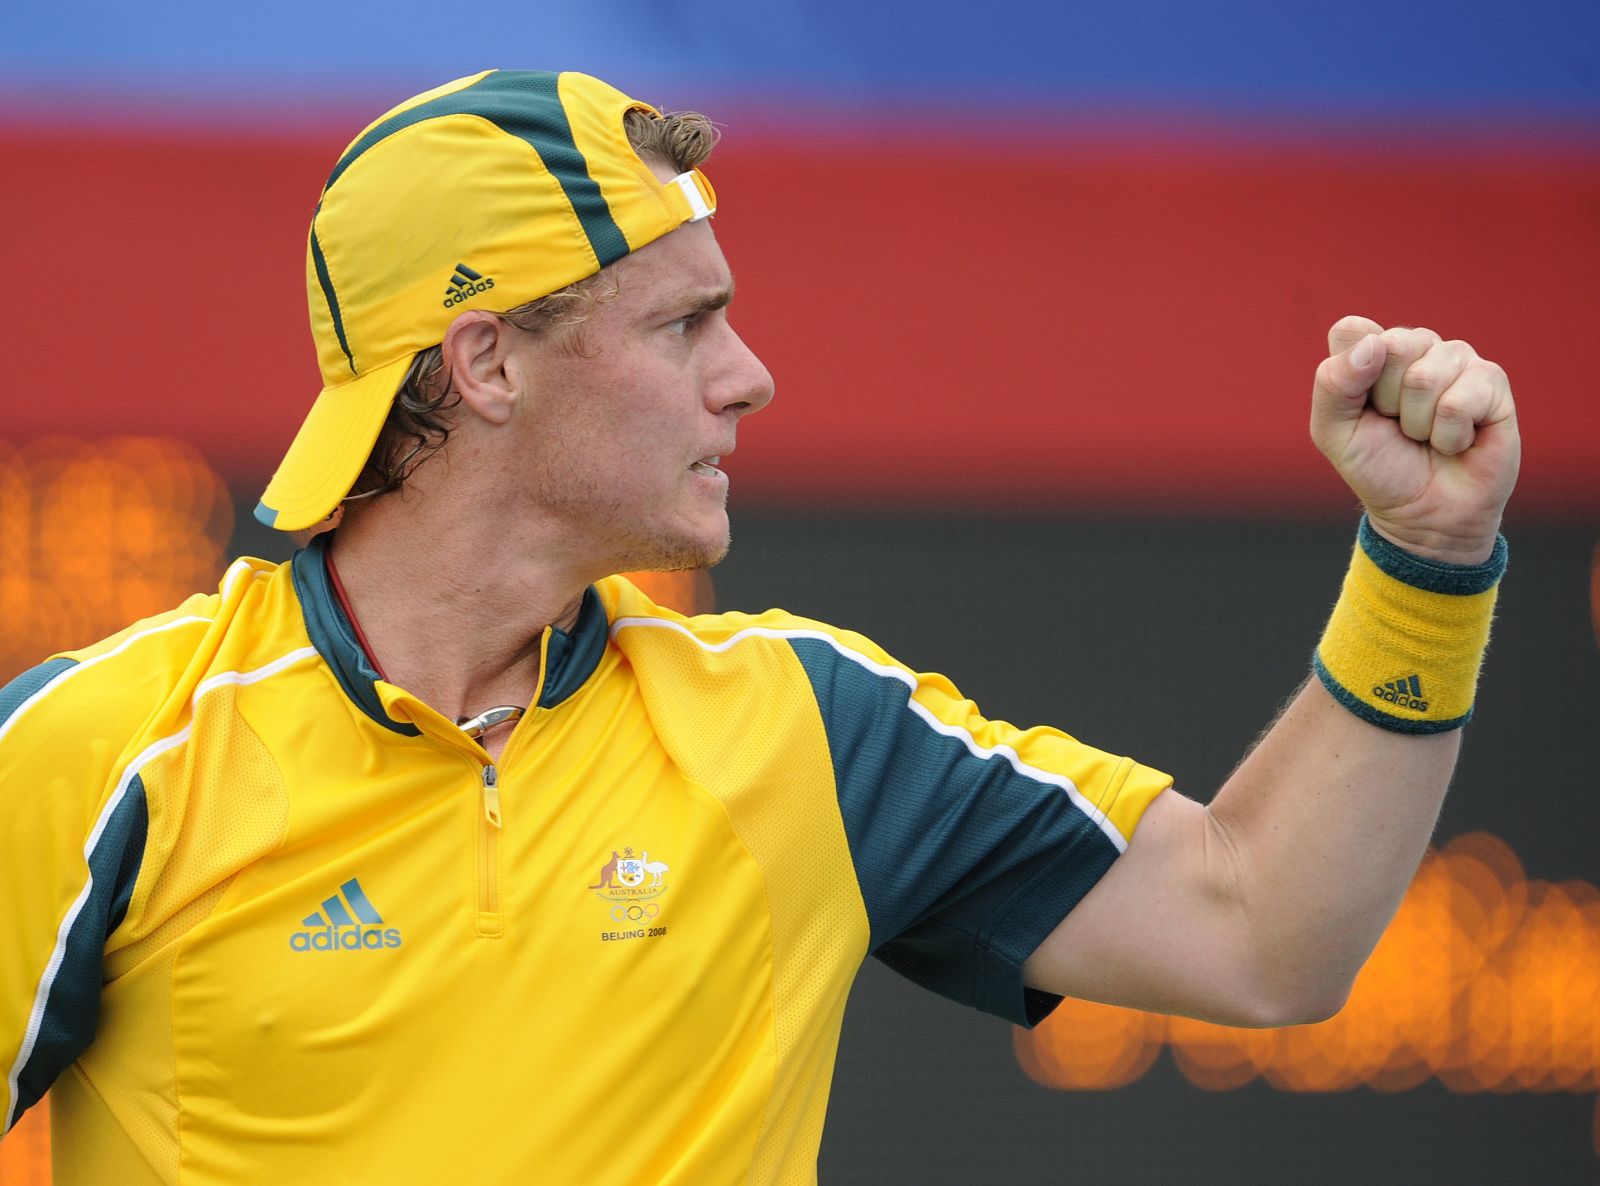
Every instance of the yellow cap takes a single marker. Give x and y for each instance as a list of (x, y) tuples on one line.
[(485, 193)]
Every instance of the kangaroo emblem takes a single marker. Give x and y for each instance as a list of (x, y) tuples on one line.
[(608, 874)]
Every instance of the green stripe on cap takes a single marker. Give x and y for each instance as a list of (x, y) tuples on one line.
[(326, 281), (265, 515), (534, 93), (525, 104)]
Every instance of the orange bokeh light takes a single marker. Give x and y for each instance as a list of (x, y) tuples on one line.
[(1485, 980), (97, 534), (1097, 1046), (687, 592), (25, 1150)]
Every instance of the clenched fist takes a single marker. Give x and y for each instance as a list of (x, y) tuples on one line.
[(1423, 430)]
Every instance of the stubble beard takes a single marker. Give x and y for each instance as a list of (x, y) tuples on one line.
[(636, 544), (646, 547), (675, 553)]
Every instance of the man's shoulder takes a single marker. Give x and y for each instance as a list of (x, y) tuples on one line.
[(638, 622), (112, 686)]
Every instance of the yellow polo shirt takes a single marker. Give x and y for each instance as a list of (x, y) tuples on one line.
[(269, 918)]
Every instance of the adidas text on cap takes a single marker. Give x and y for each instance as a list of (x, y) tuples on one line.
[(487, 193)]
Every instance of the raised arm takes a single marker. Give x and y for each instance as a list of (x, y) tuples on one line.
[(1260, 908)]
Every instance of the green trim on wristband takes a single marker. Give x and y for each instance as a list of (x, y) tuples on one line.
[(1434, 576), (1383, 720)]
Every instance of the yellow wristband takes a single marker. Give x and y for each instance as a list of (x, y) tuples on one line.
[(1407, 636)]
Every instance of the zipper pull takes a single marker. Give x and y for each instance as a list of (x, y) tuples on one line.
[(491, 795)]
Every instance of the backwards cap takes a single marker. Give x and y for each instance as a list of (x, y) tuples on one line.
[(485, 193)]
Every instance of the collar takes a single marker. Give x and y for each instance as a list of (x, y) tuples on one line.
[(570, 657)]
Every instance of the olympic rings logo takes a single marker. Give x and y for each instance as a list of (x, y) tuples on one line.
[(634, 912)]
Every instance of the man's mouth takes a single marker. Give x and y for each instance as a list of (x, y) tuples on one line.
[(706, 466)]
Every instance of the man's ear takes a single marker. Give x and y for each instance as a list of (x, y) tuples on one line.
[(474, 352)]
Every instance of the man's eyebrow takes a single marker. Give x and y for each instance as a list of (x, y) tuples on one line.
[(720, 299), (706, 302)]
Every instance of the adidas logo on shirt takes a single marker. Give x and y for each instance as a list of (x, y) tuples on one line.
[(345, 923), (465, 283), (1405, 692)]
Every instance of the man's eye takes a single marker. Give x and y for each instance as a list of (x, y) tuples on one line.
[(682, 325)]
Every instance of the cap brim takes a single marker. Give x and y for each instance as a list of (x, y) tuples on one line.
[(330, 449)]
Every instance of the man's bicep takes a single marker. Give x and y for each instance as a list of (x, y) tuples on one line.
[(1163, 929)]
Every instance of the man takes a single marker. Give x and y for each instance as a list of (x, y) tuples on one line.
[(441, 850)]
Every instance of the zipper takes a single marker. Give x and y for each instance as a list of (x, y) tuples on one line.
[(491, 795), (490, 923)]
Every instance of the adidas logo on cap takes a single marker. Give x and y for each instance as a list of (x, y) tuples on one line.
[(464, 284), (347, 923), (1405, 692)]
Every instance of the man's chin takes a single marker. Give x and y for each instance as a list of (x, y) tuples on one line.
[(683, 555), (708, 557)]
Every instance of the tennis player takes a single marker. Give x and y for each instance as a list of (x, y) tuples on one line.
[(441, 853)]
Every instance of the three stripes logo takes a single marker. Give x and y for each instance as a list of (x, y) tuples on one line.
[(1405, 692), (464, 284), (345, 923)]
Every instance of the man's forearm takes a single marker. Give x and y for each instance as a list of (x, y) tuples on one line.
[(1259, 909), (1326, 821)]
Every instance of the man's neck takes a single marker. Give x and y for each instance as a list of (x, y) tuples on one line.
[(460, 634)]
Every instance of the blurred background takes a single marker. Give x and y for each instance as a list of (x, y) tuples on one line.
[(1043, 287)]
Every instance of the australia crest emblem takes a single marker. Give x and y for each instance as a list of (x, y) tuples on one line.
[(631, 883)]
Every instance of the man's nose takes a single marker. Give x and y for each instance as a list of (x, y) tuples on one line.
[(747, 385)]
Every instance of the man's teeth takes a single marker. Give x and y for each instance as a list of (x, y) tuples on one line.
[(706, 466)]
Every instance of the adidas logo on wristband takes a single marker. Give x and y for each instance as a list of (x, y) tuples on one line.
[(1405, 692)]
